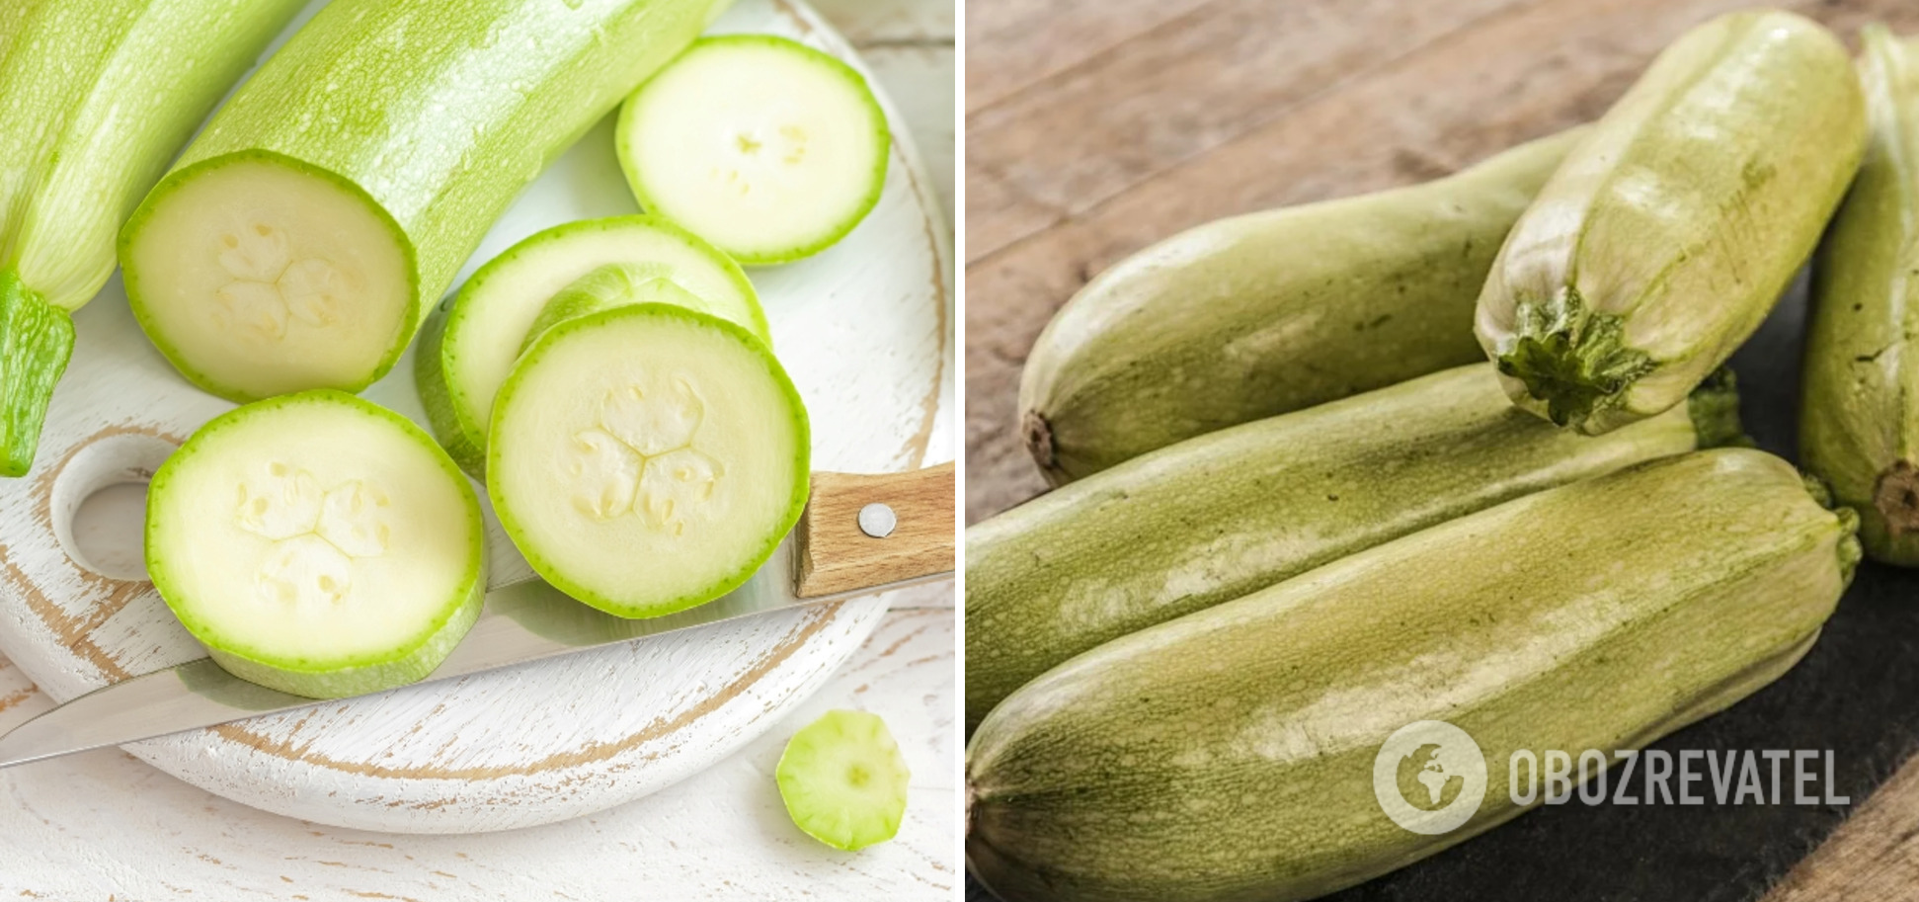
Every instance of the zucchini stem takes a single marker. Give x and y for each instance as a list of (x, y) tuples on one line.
[(1714, 408), (1571, 358), (36, 340)]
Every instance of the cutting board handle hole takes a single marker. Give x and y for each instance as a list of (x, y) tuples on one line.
[(98, 503)]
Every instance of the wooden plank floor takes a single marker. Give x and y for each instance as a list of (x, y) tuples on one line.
[(1096, 128)]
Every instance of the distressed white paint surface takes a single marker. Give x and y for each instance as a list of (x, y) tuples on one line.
[(103, 824), (863, 330)]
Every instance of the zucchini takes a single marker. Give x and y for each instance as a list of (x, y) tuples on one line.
[(1229, 754), (317, 544), (1669, 233), (1217, 517), (844, 780), (98, 98), (469, 346), (1858, 428), (308, 230), (766, 147), (1270, 312), (647, 458)]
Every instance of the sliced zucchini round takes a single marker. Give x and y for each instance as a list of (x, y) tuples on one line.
[(317, 544), (768, 148), (647, 458), (844, 781), (469, 345)]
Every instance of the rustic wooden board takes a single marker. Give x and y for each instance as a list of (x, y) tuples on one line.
[(1065, 176), (868, 346), (104, 825)]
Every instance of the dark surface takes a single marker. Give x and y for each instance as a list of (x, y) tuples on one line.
[(1853, 693)]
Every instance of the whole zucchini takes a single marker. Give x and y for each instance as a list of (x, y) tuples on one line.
[(1216, 517), (1261, 314), (310, 228), (1858, 428), (98, 98), (1229, 754), (1666, 236)]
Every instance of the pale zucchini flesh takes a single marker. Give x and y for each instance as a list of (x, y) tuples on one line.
[(647, 458), (76, 162), (1228, 755), (1220, 516), (768, 148), (1271, 312), (419, 123), (1667, 235), (470, 346), (844, 780), (1859, 429), (317, 544)]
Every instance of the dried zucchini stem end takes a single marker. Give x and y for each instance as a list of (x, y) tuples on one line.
[(1572, 359), (1848, 546), (1714, 408), (1038, 435), (1896, 496)]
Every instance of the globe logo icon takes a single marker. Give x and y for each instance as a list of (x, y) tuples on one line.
[(1429, 777)]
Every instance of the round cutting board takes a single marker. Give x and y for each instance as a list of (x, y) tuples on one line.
[(863, 328)]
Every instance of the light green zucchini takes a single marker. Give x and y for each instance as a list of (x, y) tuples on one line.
[(308, 230), (469, 346), (1668, 234), (1858, 427), (1229, 754), (318, 544), (1220, 516), (98, 99), (1270, 312)]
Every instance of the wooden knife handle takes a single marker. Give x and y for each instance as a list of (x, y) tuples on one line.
[(838, 555)]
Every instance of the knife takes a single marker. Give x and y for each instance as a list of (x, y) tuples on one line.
[(858, 535)]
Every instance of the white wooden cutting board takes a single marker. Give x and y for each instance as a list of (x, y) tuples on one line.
[(865, 330)]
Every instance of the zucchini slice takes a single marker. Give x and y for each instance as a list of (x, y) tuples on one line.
[(768, 148), (843, 780), (470, 346), (311, 226), (317, 544), (647, 458)]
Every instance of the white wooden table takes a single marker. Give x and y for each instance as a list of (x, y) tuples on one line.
[(103, 825)]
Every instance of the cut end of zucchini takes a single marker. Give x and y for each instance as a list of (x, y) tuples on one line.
[(257, 276), (648, 458), (1575, 362), (1896, 497), (844, 781), (317, 544), (768, 148), (1714, 409), (36, 340), (469, 349)]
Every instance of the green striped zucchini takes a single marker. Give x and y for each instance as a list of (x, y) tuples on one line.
[(309, 229), (1229, 754), (1858, 427), (1668, 234), (1270, 312), (1216, 517), (98, 99)]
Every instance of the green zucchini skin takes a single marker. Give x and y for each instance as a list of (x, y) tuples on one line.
[(1223, 515), (1667, 235), (1258, 315), (1858, 428), (77, 163), (438, 113), (1228, 755)]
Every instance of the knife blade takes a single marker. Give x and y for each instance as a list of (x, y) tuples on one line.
[(530, 620)]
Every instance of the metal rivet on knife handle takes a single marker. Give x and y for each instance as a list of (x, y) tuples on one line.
[(914, 512)]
